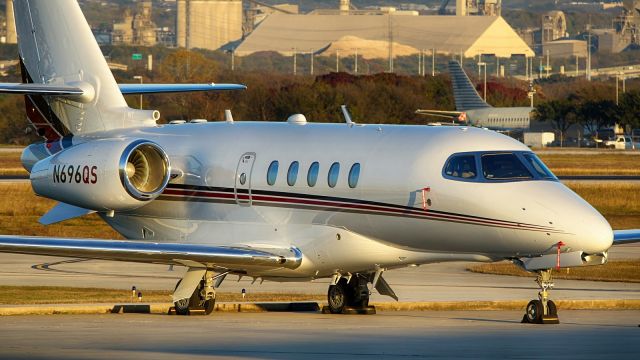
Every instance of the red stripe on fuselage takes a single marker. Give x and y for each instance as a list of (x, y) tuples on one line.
[(257, 199)]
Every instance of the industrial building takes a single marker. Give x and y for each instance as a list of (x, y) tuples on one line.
[(625, 31), (409, 34), (208, 24), (137, 29)]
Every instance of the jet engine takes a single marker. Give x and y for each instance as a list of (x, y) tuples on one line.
[(104, 175)]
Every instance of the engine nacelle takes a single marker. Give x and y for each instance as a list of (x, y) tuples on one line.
[(104, 175)]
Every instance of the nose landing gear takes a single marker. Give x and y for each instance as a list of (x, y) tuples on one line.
[(543, 310)]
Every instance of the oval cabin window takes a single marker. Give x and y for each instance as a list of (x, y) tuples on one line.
[(334, 171), (272, 173), (354, 175), (312, 175)]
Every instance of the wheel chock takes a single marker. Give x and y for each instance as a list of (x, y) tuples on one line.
[(350, 310)]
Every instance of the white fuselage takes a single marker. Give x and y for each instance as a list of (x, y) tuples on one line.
[(500, 117), (402, 211)]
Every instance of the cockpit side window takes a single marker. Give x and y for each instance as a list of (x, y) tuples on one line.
[(538, 166), (504, 167), (461, 166)]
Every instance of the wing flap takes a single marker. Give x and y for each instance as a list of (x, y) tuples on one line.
[(136, 89), (626, 236), (152, 252)]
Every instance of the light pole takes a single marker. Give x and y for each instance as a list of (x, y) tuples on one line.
[(433, 62), (139, 77), (295, 61), (481, 64), (356, 61), (312, 54), (617, 81)]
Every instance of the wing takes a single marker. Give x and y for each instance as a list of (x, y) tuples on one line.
[(626, 236), (39, 89), (237, 258), (131, 89), (440, 113)]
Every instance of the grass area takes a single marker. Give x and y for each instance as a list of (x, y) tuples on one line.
[(614, 163), (10, 163), (20, 210), (625, 271), (29, 295), (619, 203)]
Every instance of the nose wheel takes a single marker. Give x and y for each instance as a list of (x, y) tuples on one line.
[(542, 310)]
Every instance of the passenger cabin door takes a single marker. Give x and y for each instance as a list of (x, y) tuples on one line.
[(242, 190)]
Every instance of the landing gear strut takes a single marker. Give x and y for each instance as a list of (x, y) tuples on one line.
[(350, 296), (202, 299), (543, 310)]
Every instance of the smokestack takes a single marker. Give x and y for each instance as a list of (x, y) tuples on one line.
[(344, 6), (11, 24)]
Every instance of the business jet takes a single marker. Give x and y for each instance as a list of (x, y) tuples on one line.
[(279, 201), (472, 109)]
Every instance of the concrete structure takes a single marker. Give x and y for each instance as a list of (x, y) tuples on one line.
[(345, 6), (461, 7), (469, 35), (554, 26), (208, 24), (10, 37), (478, 7), (565, 48), (136, 29), (625, 31), (257, 12)]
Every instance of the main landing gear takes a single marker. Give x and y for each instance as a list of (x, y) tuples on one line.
[(543, 310), (202, 299), (349, 295)]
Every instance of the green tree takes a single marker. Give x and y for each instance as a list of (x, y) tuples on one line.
[(561, 114), (629, 109), (597, 114)]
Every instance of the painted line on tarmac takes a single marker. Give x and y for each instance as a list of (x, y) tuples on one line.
[(48, 267), (163, 308)]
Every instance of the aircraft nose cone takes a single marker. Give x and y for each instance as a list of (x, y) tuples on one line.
[(594, 233), (584, 227)]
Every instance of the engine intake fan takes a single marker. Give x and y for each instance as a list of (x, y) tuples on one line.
[(144, 170)]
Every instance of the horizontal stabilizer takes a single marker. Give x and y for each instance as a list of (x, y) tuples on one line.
[(62, 212), (39, 89), (133, 89), (626, 236), (440, 113), (152, 252)]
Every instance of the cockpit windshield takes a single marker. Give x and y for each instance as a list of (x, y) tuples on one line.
[(538, 166), (504, 167), (496, 166)]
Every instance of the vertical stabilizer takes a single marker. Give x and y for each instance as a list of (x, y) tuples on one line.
[(58, 48), (465, 94)]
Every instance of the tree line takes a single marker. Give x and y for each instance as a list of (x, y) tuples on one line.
[(377, 98)]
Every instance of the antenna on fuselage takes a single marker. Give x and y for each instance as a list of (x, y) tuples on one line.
[(347, 116), (228, 117)]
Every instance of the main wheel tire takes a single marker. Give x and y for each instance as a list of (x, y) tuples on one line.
[(338, 297), (534, 312), (553, 310), (209, 306), (182, 307)]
